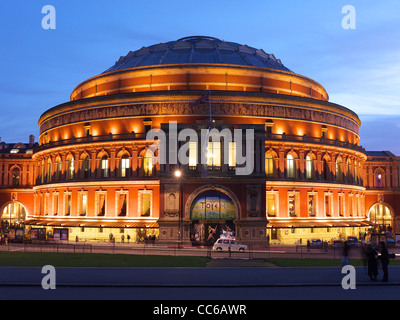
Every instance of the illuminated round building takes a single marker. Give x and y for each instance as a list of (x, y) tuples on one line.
[(96, 170)]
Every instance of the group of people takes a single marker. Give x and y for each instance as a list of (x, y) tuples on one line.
[(372, 258)]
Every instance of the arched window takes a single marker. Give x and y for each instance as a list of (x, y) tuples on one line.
[(124, 166), (13, 214), (104, 167), (70, 169), (86, 167), (269, 165), (326, 169), (290, 166), (58, 169), (43, 172), (309, 168), (380, 214), (49, 171), (16, 172), (339, 175), (378, 179), (148, 164)]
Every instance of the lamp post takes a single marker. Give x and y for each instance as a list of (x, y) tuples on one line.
[(178, 175)]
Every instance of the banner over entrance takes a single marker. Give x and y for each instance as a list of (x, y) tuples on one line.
[(213, 205)]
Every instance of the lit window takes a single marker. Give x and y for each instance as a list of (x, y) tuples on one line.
[(232, 154), (290, 166), (145, 201), (124, 166), (148, 164), (214, 155), (269, 165), (71, 169), (378, 179), (292, 205), (192, 154), (104, 167), (271, 205), (309, 168)]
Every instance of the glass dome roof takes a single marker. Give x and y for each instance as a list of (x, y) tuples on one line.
[(198, 49)]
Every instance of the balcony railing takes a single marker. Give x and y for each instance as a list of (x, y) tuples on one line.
[(316, 140), (91, 138)]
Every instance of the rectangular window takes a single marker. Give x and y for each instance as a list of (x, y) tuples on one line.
[(328, 204), (271, 205), (350, 205), (68, 202), (341, 204), (121, 203), (55, 203), (145, 202), (100, 203), (292, 205), (312, 205), (82, 204)]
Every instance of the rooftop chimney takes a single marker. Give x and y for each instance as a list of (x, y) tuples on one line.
[(31, 141)]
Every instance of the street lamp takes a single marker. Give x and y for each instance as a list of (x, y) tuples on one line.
[(178, 175)]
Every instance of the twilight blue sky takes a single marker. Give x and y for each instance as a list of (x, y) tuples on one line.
[(359, 68)]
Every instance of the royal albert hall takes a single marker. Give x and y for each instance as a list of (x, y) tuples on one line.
[(95, 172)]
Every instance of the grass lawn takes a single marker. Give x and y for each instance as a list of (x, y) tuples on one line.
[(39, 259)]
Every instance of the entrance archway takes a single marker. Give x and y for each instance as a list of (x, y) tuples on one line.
[(212, 212), (382, 216), (12, 214)]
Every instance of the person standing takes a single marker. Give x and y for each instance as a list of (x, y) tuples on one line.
[(384, 257), (345, 257), (372, 263)]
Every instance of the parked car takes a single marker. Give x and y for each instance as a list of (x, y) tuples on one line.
[(223, 244), (316, 243), (353, 242), (337, 243), (389, 240)]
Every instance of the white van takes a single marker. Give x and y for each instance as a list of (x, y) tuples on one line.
[(223, 244)]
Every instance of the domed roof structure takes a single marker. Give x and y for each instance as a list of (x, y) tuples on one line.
[(198, 49), (199, 63)]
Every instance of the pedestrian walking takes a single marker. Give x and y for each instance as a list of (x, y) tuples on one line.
[(384, 258), (372, 262), (363, 253), (308, 245)]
